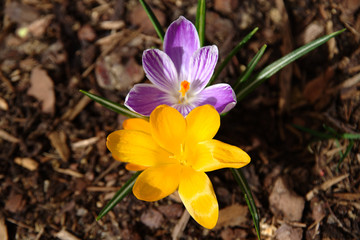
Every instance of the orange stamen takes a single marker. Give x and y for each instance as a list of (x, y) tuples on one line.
[(185, 86)]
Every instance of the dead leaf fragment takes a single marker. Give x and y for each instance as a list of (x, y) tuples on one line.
[(27, 163), (15, 202), (42, 88), (152, 218), (284, 202), (38, 27), (286, 232), (317, 86), (111, 74), (231, 216), (58, 141)]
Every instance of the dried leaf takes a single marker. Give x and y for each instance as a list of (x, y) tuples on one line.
[(231, 216), (42, 88)]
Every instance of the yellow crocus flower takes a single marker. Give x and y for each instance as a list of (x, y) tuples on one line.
[(175, 152)]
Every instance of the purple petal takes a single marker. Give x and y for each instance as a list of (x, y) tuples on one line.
[(184, 109), (202, 65), (180, 42), (221, 96), (159, 69), (144, 98)]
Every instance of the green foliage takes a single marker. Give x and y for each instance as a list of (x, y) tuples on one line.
[(330, 133), (231, 54), (276, 66), (158, 28), (118, 108), (200, 20), (241, 180)]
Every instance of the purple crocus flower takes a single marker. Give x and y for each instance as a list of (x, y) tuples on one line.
[(179, 75)]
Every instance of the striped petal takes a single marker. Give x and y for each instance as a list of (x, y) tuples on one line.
[(197, 194), (160, 69), (202, 65), (144, 98), (180, 42), (158, 182), (221, 96)]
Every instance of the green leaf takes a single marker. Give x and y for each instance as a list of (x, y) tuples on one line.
[(241, 180), (158, 28), (231, 54), (123, 192), (273, 68), (118, 108), (200, 20), (249, 69)]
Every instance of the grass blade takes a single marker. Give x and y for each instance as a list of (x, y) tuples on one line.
[(313, 132), (250, 68), (350, 136), (200, 20), (158, 28), (231, 54), (241, 180), (273, 68), (118, 108), (123, 192)]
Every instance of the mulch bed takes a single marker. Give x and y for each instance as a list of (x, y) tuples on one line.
[(56, 173)]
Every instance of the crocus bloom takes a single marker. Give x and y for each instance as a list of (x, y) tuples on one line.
[(179, 75), (175, 153)]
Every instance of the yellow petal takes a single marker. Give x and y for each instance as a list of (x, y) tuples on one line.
[(202, 123), (168, 128), (197, 194), (134, 167), (137, 124), (223, 156), (158, 182), (137, 147)]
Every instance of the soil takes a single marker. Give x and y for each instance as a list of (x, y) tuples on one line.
[(56, 173)]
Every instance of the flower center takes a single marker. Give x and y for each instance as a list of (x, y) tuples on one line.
[(181, 156), (184, 87)]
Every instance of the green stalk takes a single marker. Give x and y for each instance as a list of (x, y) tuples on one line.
[(158, 28), (200, 20), (118, 108), (123, 192), (241, 180), (231, 54)]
